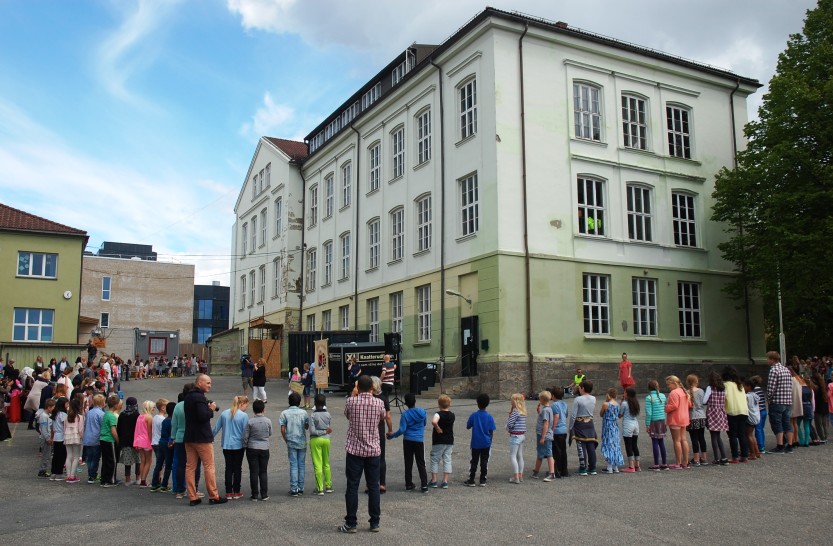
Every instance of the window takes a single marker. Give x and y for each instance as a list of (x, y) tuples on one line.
[(373, 243), (688, 301), (277, 277), (251, 287), (262, 292), (242, 291), (310, 323), (263, 227), (373, 318), (682, 211), (344, 317), (204, 309), (423, 214), (398, 151), (468, 109), (587, 111), (345, 256), (644, 293), (346, 184), (254, 233), (35, 264), (327, 320), (639, 214), (634, 123), (424, 137), (402, 69), (268, 174), (313, 206), (424, 313), (105, 288), (375, 167), (203, 333), (371, 96), (329, 196), (327, 250), (470, 207), (396, 312), (397, 233), (254, 186), (104, 321), (596, 304), (591, 207), (157, 345), (278, 216), (311, 263), (679, 133), (245, 238), (33, 324)]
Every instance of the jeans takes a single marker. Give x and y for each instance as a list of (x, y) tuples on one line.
[(441, 452), (779, 418), (481, 455), (414, 451), (93, 458), (297, 468), (234, 469), (258, 463), (586, 455), (178, 469), (46, 455), (821, 426), (354, 466), (759, 431), (164, 458), (516, 453)]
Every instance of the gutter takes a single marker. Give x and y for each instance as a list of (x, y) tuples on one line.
[(302, 295), (356, 237), (442, 225), (528, 297)]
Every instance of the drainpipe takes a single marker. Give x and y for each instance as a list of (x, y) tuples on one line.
[(442, 225), (528, 305), (303, 247), (356, 237)]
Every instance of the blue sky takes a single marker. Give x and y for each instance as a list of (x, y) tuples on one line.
[(136, 120)]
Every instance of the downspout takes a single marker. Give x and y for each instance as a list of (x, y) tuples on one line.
[(303, 247), (740, 227), (356, 238), (528, 298), (442, 225)]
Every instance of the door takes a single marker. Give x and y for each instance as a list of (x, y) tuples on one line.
[(469, 340)]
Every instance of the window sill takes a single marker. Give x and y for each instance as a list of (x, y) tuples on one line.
[(371, 192), (421, 252), (464, 140), (372, 269), (326, 285), (638, 151), (326, 217), (425, 343), (344, 207), (591, 236), (396, 261), (685, 160), (276, 237), (421, 165), (464, 238), (396, 179), (36, 277), (343, 279), (589, 141), (312, 225)]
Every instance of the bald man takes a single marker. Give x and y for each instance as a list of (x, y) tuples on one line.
[(199, 441)]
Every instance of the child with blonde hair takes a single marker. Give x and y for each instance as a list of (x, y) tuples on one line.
[(142, 438), (678, 418), (442, 441), (516, 427), (233, 423), (697, 421), (543, 436), (611, 448)]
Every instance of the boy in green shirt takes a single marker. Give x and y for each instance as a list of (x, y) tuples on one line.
[(109, 439)]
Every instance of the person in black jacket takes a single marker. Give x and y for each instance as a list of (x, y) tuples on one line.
[(199, 441), (259, 380)]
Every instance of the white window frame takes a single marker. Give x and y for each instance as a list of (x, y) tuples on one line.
[(278, 216), (371, 96), (277, 277), (423, 215), (262, 286), (326, 320), (245, 233), (591, 202), (397, 234), (678, 127), (396, 312), (634, 122), (375, 170), (251, 288), (41, 326), (397, 144), (106, 287), (644, 300), (587, 111), (467, 95), (373, 318), (268, 175), (329, 195), (684, 218), (242, 292), (311, 323), (689, 309), (596, 304), (344, 317), (327, 251), (264, 226), (346, 184), (104, 320), (423, 127), (423, 296), (29, 259), (313, 206), (640, 213), (374, 228), (344, 245), (253, 234), (312, 259), (469, 205)]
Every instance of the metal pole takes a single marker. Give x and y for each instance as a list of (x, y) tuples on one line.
[(782, 341)]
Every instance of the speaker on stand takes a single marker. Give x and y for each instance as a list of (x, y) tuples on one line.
[(393, 347)]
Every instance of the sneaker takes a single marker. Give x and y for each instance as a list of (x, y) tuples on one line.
[(628, 470), (704, 463), (483, 483), (535, 476), (724, 462), (514, 480), (81, 462), (319, 493), (329, 490), (410, 487), (195, 502), (424, 489), (238, 495), (155, 489), (108, 485), (218, 500), (180, 495), (777, 450), (655, 467), (347, 529), (444, 485), (607, 471), (432, 485), (675, 467), (733, 461), (266, 498), (164, 489), (593, 472), (200, 494), (72, 479), (664, 467), (57, 477), (548, 478), (788, 449), (374, 529), (253, 498), (470, 483), (91, 480), (230, 496), (43, 474), (294, 493), (582, 472)]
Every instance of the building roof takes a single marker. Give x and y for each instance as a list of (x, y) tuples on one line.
[(296, 151), (13, 219)]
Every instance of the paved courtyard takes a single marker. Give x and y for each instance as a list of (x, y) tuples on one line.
[(776, 500)]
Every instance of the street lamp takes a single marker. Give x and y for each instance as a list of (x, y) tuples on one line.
[(451, 292)]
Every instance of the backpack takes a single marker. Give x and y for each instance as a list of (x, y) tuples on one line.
[(243, 363)]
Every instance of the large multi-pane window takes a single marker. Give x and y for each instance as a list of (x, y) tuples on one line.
[(37, 264), (329, 196), (345, 255), (587, 111), (278, 216), (245, 238), (373, 318), (595, 297), (423, 294), (242, 291), (423, 214), (106, 283), (312, 259), (205, 309), (591, 206), (375, 170), (424, 137), (344, 317), (639, 214), (396, 312), (346, 184), (254, 234), (397, 233), (327, 320), (251, 287), (310, 323), (682, 212), (277, 276), (327, 250), (264, 226), (397, 141), (634, 122), (468, 109), (373, 243), (679, 131), (688, 302), (313, 206), (33, 324), (644, 300), (469, 205), (261, 294)]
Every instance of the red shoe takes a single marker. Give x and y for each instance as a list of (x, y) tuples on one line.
[(238, 495), (734, 461), (628, 470)]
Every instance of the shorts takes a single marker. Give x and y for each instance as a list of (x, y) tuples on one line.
[(779, 418), (246, 382), (543, 451), (441, 453)]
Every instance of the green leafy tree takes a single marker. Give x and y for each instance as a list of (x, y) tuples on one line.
[(779, 199)]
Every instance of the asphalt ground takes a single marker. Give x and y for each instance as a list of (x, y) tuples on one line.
[(779, 499)]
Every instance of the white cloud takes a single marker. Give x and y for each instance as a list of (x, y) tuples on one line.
[(267, 119)]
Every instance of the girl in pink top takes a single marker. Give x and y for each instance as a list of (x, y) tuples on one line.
[(141, 441), (677, 417)]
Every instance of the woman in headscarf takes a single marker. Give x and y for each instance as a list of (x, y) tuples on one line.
[(126, 429)]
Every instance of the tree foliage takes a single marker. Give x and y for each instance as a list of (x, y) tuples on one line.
[(779, 199)]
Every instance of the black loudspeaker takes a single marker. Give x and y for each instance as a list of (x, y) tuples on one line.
[(392, 343)]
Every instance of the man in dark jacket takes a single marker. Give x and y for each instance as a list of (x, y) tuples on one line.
[(199, 441)]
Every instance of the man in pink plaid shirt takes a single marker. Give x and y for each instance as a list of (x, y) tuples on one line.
[(363, 412)]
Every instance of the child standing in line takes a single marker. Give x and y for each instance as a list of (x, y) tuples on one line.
[(560, 415), (629, 411), (442, 441), (655, 423), (159, 443), (256, 439), (109, 442), (412, 426), (74, 438), (59, 450), (294, 424), (754, 417), (482, 426), (611, 449), (92, 437), (543, 437), (716, 419), (583, 430), (44, 420), (516, 427), (319, 445), (762, 410), (697, 421)]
